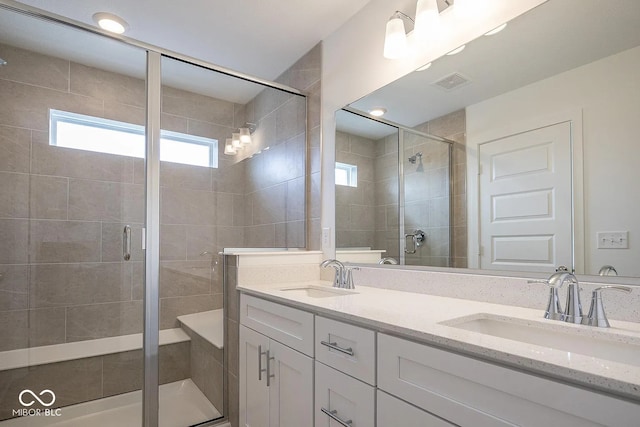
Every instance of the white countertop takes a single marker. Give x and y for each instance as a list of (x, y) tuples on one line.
[(419, 317)]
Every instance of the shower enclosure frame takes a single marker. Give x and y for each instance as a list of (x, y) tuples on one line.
[(401, 189), (151, 229)]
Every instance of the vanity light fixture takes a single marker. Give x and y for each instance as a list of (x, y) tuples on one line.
[(496, 30), (110, 22), (425, 25), (245, 133), (378, 112)]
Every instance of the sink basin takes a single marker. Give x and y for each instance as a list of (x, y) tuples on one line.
[(318, 291), (582, 340)]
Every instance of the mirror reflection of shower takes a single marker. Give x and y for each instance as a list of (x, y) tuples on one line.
[(417, 158)]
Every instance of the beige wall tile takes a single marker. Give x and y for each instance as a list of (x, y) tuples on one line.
[(290, 119), (14, 287), (269, 205), (14, 332), (195, 106), (182, 278), (48, 198), (201, 239), (173, 242), (33, 68), (114, 110), (171, 308), (64, 241), (187, 207), (174, 123), (69, 162), (14, 235), (72, 382), (72, 284), (30, 105), (181, 176), (85, 322), (15, 149), (105, 85), (105, 201), (122, 372), (450, 124), (295, 199), (47, 326), (14, 195)]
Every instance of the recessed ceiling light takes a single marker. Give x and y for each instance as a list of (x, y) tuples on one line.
[(424, 67), (458, 50), (378, 112), (110, 22), (496, 30)]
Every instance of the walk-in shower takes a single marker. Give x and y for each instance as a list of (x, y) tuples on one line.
[(116, 197), (407, 203)]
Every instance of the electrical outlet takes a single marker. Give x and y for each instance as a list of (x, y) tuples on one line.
[(613, 239), (326, 237)]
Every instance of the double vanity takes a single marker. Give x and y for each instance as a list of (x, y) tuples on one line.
[(312, 354)]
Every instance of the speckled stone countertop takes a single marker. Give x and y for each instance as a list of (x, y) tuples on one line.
[(431, 320)]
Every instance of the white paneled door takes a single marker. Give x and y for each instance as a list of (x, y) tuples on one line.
[(526, 201)]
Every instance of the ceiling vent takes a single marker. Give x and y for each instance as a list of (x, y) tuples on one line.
[(452, 81)]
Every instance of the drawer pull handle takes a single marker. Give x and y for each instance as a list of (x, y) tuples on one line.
[(333, 415), (335, 346)]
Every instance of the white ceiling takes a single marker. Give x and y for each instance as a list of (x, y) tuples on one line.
[(259, 38), (557, 36)]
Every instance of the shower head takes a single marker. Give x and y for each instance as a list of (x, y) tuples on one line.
[(2, 62), (415, 157)]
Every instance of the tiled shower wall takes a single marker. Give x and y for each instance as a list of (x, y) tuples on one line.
[(63, 210), (303, 75), (453, 127), (356, 206)]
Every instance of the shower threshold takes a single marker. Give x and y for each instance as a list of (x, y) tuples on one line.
[(181, 404)]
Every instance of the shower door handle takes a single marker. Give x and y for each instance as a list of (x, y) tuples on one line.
[(418, 237), (126, 243)]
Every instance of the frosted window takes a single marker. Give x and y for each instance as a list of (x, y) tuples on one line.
[(82, 132), (346, 174)]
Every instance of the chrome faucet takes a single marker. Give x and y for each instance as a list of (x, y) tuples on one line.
[(607, 270), (388, 260), (338, 279), (597, 316), (343, 277)]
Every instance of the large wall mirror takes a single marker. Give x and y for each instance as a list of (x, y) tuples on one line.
[(519, 153)]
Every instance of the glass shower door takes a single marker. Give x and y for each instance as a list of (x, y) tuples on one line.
[(427, 200), (72, 209)]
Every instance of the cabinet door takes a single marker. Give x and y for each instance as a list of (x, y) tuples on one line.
[(291, 388), (254, 394), (342, 397), (393, 412)]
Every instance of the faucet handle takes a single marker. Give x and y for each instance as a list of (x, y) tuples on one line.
[(348, 282), (597, 316)]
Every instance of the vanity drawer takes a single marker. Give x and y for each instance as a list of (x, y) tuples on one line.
[(290, 326), (347, 348), (393, 412), (343, 397), (466, 391)]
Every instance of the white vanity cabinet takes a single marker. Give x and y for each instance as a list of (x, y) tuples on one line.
[(470, 392), (276, 381), (345, 372)]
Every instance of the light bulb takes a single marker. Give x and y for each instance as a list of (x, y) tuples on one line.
[(427, 19), (395, 40), (228, 148), (235, 141), (245, 136), (110, 22)]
